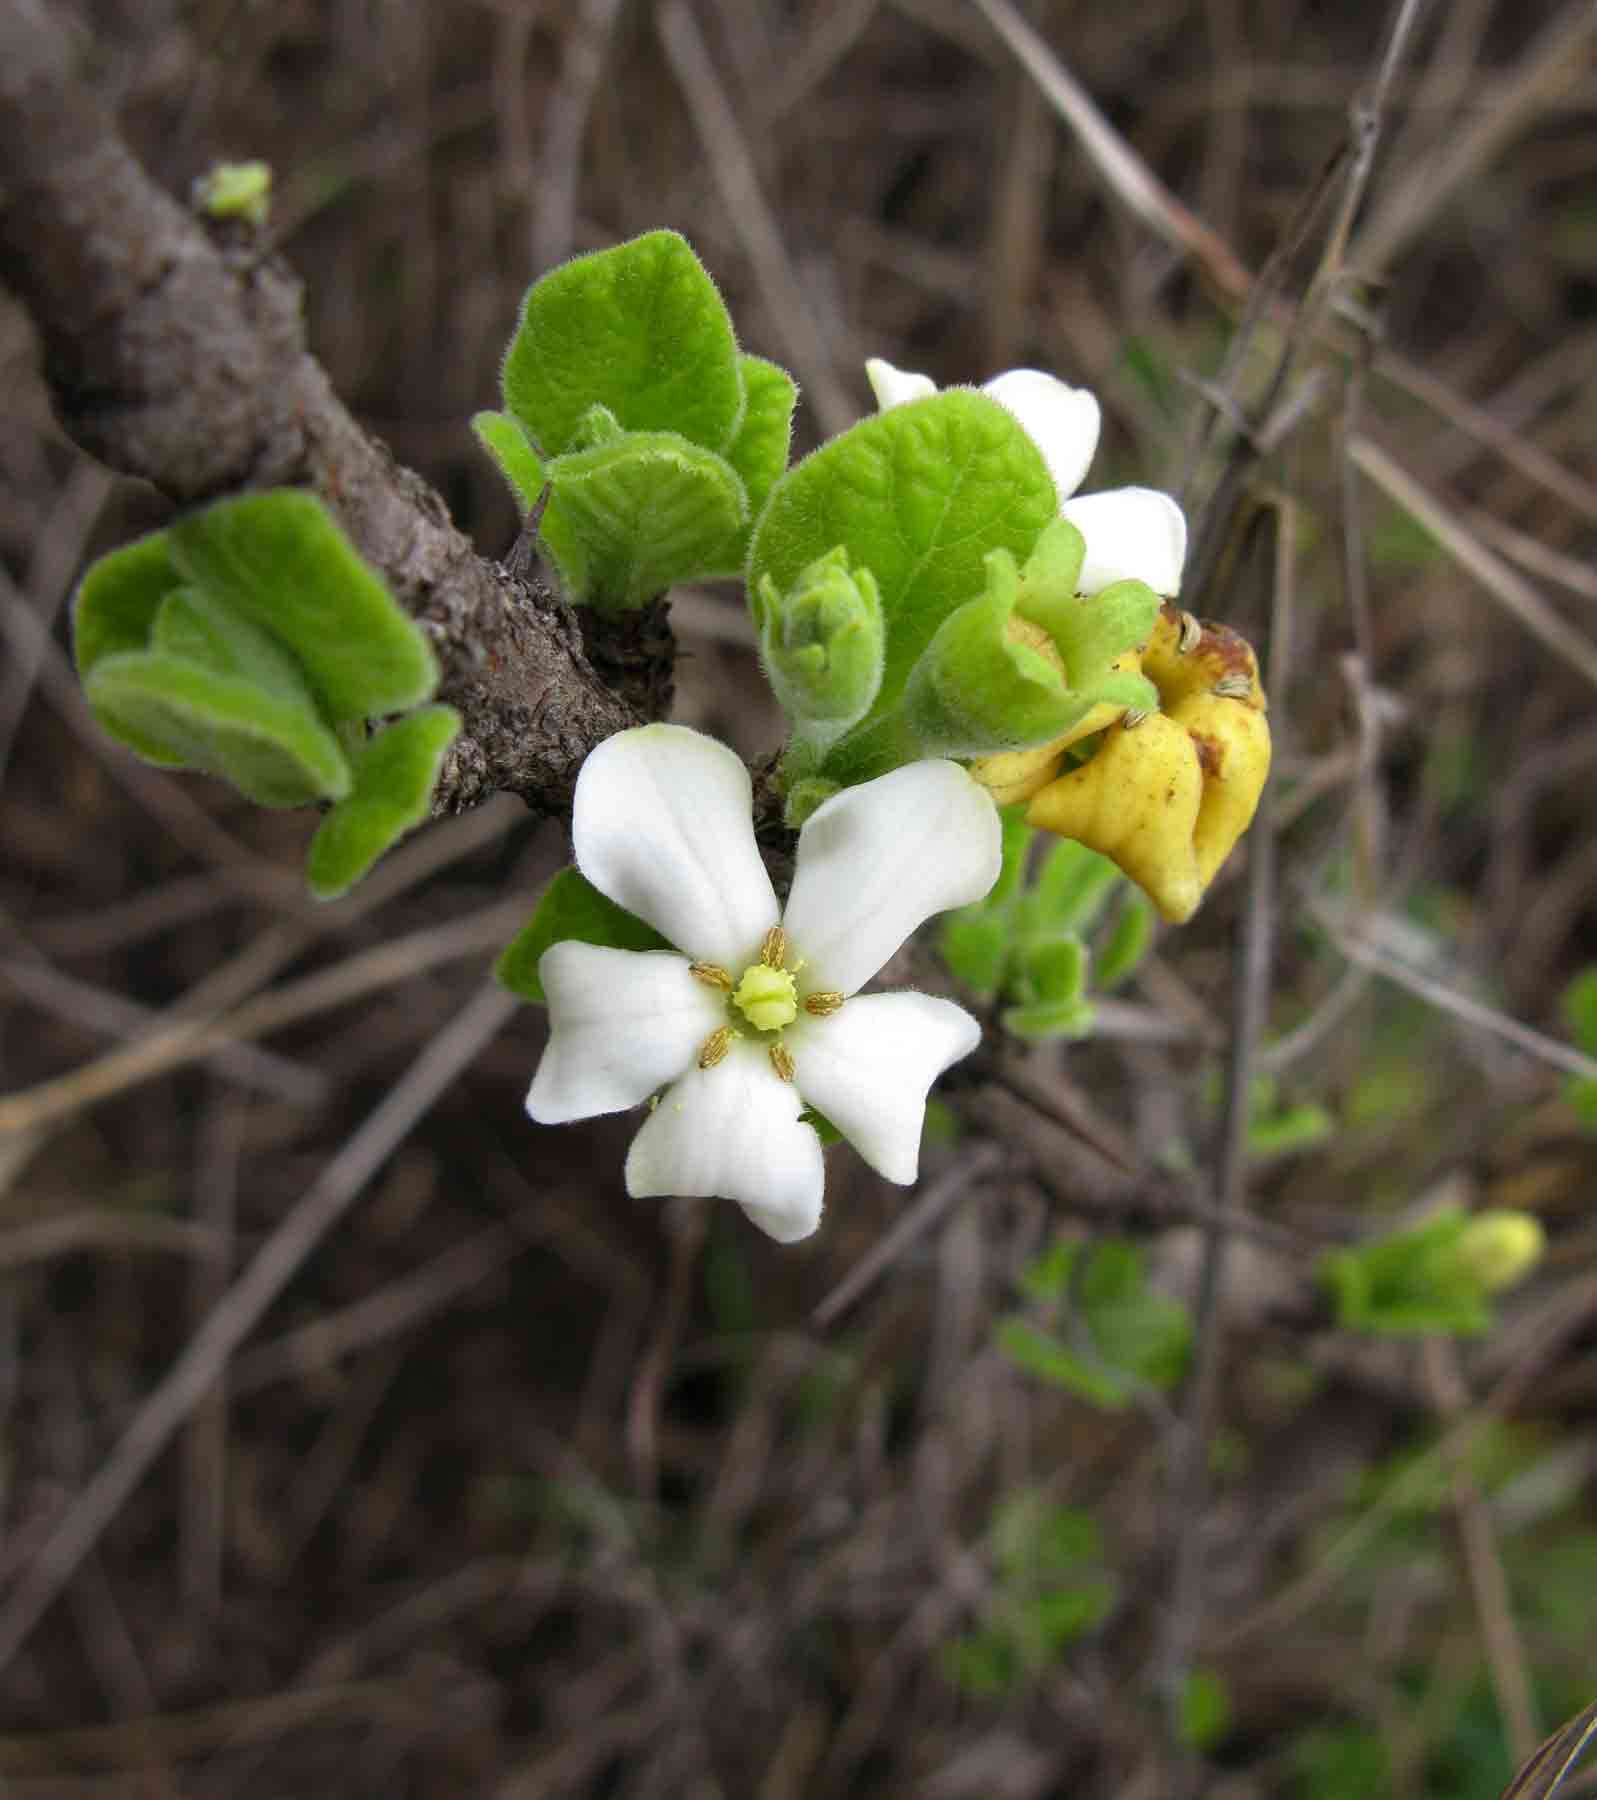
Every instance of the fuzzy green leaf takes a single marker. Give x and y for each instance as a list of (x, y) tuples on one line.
[(201, 629), (279, 560), (519, 463), (394, 777), (639, 329), (118, 599), (1072, 888), (1128, 941), (274, 749), (647, 511), (570, 907), (918, 495), (759, 451)]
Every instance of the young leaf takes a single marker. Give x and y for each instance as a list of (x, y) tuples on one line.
[(1072, 888), (1128, 941), (118, 599), (519, 463), (280, 561), (639, 329), (275, 750), (201, 629), (919, 495), (759, 451), (570, 907), (645, 512), (975, 945), (394, 777)]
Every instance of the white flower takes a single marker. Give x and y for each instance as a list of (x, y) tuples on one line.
[(756, 1015), (1132, 533)]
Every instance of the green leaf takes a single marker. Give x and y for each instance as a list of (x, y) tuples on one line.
[(918, 495), (975, 945), (279, 560), (1052, 971), (639, 329), (118, 598), (202, 629), (1580, 1008), (276, 751), (394, 777), (1128, 941), (519, 463), (647, 511), (759, 451), (1035, 1540), (1090, 631), (569, 907), (1042, 1020), (1412, 1281), (1294, 1128), (1203, 1710), (1072, 888), (1043, 1355)]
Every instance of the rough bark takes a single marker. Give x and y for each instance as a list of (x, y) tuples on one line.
[(176, 352)]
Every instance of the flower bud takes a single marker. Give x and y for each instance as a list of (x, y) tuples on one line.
[(821, 645)]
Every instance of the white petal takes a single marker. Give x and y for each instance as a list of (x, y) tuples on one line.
[(876, 861), (734, 1131), (1133, 534), (661, 823), (1060, 420), (621, 1024), (892, 387), (869, 1065)]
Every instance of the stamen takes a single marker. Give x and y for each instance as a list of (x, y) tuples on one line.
[(773, 951), (782, 1062), (1235, 686), (1133, 717), (716, 1046), (823, 1004), (712, 975), (1191, 631)]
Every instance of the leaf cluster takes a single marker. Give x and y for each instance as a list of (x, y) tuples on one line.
[(249, 641)]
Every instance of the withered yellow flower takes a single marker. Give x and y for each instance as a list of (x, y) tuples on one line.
[(1166, 797)]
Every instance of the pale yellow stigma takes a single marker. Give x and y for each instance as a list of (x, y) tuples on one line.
[(766, 997)]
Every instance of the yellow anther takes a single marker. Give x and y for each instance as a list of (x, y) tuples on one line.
[(712, 975), (823, 1004), (773, 948), (715, 1047), (782, 1062)]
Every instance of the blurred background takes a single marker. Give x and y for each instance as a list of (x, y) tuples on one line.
[(525, 1489)]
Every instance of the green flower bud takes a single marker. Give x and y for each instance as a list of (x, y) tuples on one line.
[(1499, 1249), (821, 645), (236, 191)]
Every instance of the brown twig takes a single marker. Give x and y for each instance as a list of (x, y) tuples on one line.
[(178, 355)]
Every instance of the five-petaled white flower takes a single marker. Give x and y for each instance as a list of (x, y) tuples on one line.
[(756, 1014), (1132, 533)]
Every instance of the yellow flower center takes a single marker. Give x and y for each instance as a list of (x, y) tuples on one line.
[(766, 997)]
